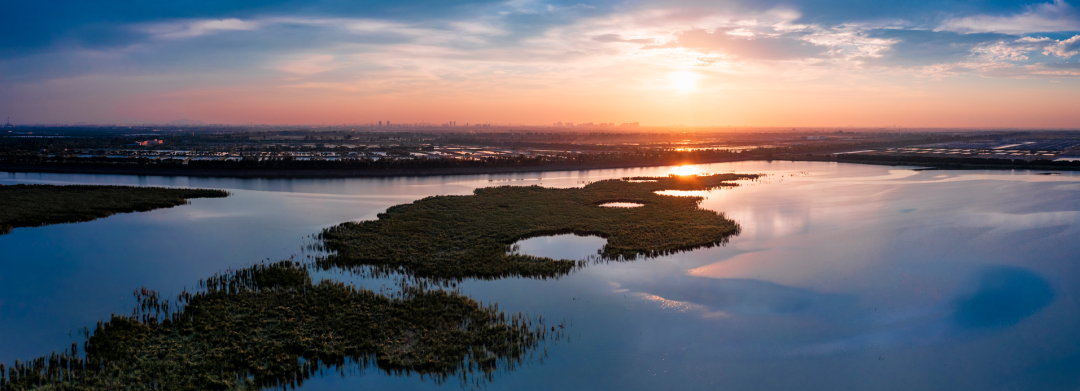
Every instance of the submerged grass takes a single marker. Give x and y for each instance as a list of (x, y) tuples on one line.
[(37, 205), (269, 326), (455, 237)]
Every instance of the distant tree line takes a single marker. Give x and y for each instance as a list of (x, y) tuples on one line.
[(957, 162), (644, 156)]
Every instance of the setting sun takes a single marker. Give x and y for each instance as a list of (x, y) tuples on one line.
[(685, 170), (684, 81)]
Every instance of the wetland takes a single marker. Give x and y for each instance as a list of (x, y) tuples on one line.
[(884, 272), (455, 237), (36, 205)]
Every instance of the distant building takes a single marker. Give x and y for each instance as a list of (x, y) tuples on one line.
[(8, 124), (150, 142)]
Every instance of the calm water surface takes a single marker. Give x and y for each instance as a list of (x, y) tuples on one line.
[(844, 277)]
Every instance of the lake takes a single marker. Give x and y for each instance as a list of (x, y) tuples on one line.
[(844, 277)]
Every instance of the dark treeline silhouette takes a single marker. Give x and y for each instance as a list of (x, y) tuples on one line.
[(960, 163), (650, 156)]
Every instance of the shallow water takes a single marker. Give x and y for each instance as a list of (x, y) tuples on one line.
[(566, 246), (844, 277)]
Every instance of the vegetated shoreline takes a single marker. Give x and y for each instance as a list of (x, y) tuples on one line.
[(278, 173), (456, 237), (338, 173), (941, 163), (25, 205)]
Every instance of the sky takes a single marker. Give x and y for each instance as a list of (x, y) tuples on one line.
[(944, 63)]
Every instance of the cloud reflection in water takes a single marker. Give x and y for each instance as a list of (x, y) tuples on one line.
[(993, 299)]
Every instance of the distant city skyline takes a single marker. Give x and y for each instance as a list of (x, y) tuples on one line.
[(690, 62)]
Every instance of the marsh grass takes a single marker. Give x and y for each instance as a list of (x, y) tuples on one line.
[(456, 237), (269, 326), (38, 205)]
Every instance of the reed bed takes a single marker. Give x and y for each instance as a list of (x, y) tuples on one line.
[(456, 237), (38, 205), (269, 326)]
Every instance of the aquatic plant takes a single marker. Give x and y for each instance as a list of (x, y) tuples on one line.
[(454, 237), (270, 326), (37, 205)]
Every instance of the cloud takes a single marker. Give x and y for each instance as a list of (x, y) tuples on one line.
[(1044, 17), (532, 45), (1064, 48), (619, 38), (924, 47), (197, 28), (745, 44), (1005, 51)]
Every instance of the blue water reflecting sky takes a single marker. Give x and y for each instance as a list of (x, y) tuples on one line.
[(844, 277)]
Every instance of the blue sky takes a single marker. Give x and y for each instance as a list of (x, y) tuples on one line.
[(812, 62)]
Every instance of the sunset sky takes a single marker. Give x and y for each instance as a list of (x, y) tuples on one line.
[(733, 62)]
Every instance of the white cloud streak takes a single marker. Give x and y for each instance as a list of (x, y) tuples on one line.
[(196, 28), (1045, 17)]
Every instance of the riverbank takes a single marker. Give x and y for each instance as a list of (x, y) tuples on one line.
[(336, 173), (941, 163), (38, 205), (279, 173)]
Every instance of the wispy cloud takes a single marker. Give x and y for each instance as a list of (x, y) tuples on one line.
[(1044, 17), (196, 28)]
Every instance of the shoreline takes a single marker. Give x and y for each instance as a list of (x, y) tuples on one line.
[(941, 164), (347, 173), (269, 173)]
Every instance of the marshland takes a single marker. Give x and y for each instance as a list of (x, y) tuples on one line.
[(36, 205), (926, 248), (455, 237), (268, 326)]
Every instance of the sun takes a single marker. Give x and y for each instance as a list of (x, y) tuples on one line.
[(685, 170), (684, 81)]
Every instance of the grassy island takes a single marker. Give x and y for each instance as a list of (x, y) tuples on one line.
[(453, 237), (269, 327), (37, 205)]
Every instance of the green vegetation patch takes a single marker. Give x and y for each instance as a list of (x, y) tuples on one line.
[(454, 237), (269, 326), (37, 205)]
